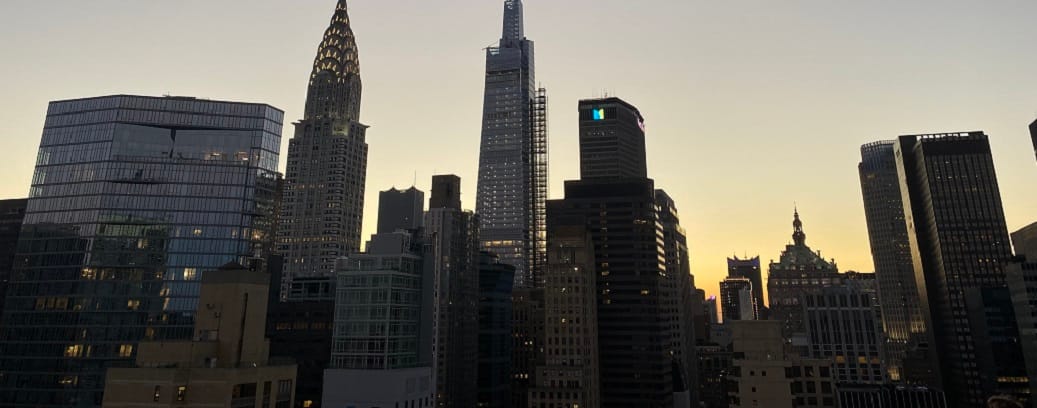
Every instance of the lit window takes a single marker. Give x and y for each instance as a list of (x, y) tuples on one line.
[(158, 393), (181, 393), (190, 273), (75, 350), (126, 350)]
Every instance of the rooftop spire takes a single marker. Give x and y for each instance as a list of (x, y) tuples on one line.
[(513, 25), (798, 236), (335, 80), (337, 53)]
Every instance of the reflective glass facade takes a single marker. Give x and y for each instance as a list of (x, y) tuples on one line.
[(959, 237), (133, 199), (902, 318), (513, 154)]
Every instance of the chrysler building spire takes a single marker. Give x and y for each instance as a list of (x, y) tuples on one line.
[(335, 86)]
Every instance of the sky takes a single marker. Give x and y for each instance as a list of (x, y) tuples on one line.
[(752, 107)]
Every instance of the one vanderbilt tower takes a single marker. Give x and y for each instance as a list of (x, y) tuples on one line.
[(513, 154), (327, 163)]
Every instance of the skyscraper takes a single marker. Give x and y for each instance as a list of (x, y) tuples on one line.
[(958, 240), (382, 353), (400, 210), (891, 251), (612, 140), (799, 271), (496, 282), (635, 290), (11, 214), (454, 238), (749, 268), (323, 203), (569, 376), (513, 154), (132, 199), (682, 284), (736, 298)]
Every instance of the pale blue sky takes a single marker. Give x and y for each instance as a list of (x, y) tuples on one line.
[(751, 105)]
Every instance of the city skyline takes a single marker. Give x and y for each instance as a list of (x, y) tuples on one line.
[(702, 121)]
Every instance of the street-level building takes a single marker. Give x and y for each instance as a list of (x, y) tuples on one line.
[(226, 364)]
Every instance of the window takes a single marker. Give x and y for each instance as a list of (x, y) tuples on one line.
[(158, 393), (126, 350), (75, 350), (181, 393)]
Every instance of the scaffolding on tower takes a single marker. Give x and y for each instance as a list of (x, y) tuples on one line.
[(539, 157)]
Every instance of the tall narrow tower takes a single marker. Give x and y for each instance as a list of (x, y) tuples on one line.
[(513, 154), (327, 163)]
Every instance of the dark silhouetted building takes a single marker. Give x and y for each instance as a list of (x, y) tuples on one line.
[(995, 333), (323, 204), (569, 375), (496, 283), (11, 214), (895, 271), (527, 342), (714, 365), (446, 192), (225, 364), (133, 198), (736, 298), (454, 238), (635, 291), (958, 236), (889, 396), (1021, 276), (400, 210), (612, 140), (682, 283), (799, 271), (749, 268), (513, 152), (844, 326), (699, 318), (300, 329)]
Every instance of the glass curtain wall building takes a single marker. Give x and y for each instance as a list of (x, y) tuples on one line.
[(132, 199), (512, 184), (902, 315)]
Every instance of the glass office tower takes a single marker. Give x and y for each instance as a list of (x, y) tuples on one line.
[(133, 199), (513, 155)]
